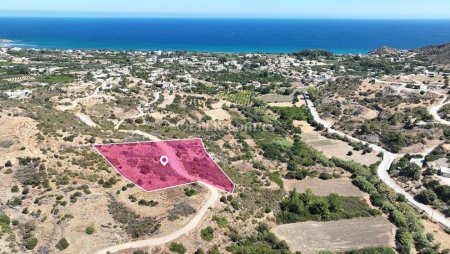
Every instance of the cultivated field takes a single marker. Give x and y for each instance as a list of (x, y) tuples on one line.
[(241, 97), (337, 236)]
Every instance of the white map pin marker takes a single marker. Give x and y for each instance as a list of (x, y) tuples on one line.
[(164, 160)]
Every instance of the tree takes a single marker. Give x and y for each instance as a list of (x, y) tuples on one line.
[(320, 207), (335, 202), (426, 197)]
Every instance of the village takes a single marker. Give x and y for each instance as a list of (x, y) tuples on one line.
[(315, 142)]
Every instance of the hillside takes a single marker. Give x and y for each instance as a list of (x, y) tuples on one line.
[(385, 51), (437, 54)]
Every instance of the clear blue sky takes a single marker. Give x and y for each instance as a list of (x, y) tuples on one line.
[(371, 9)]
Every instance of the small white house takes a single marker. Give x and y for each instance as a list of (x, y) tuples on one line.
[(445, 172), (18, 94)]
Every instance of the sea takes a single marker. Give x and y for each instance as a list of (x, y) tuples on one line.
[(223, 35)]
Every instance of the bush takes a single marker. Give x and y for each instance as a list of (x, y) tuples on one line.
[(4, 219), (140, 252), (62, 244), (373, 250), (398, 218), (426, 197), (221, 222), (177, 248), (15, 189), (30, 243), (405, 240), (90, 230), (207, 234), (8, 164), (325, 176), (190, 192), (200, 251), (306, 206)]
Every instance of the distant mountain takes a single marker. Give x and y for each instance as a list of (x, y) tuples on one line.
[(385, 51), (437, 54)]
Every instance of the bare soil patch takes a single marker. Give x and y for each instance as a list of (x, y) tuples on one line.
[(281, 104), (440, 236), (274, 98), (341, 186), (18, 138), (218, 114), (337, 236), (168, 99)]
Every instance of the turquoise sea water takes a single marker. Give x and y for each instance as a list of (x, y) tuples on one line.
[(223, 35)]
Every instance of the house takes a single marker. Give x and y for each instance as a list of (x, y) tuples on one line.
[(445, 172), (18, 94), (148, 107), (430, 74)]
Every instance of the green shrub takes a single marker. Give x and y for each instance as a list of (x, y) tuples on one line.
[(325, 176), (207, 234), (221, 222), (90, 230), (15, 189), (373, 250), (426, 197), (190, 192), (177, 248), (404, 240), (62, 244), (4, 219), (307, 206), (30, 243)]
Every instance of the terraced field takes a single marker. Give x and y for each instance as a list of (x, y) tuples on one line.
[(241, 98), (337, 236)]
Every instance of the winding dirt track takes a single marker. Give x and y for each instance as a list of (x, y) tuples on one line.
[(212, 200)]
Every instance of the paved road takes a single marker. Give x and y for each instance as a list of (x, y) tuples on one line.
[(433, 110), (384, 166)]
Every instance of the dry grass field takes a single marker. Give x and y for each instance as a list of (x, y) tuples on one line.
[(341, 186), (337, 236), (217, 113), (332, 147), (439, 235), (274, 98)]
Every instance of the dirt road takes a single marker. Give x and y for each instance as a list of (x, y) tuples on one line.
[(212, 200)]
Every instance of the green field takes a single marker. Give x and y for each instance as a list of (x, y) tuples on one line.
[(241, 98)]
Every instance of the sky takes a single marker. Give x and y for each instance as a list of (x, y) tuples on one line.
[(322, 9)]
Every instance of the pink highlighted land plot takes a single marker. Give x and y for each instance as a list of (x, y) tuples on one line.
[(188, 162)]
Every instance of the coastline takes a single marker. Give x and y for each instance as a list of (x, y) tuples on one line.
[(223, 36)]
